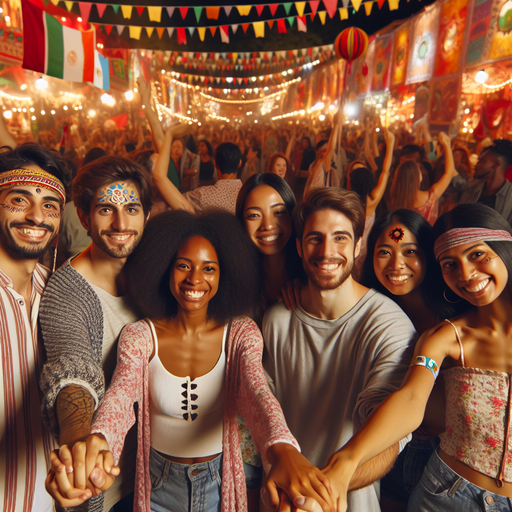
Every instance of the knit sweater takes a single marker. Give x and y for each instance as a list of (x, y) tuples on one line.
[(245, 392)]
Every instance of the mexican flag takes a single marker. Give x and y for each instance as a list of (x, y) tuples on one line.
[(59, 51)]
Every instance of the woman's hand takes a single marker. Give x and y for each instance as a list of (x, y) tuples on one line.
[(78, 474), (389, 137), (144, 91), (444, 140), (298, 478)]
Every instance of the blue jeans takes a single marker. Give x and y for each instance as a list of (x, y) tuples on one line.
[(183, 488), (442, 490)]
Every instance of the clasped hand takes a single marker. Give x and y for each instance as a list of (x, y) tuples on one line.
[(79, 473)]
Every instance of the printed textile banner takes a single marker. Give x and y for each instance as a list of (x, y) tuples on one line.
[(444, 100), (452, 22), (423, 50), (362, 70), (480, 22), (381, 63), (500, 33), (400, 55)]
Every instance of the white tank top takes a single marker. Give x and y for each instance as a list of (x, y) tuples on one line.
[(186, 415)]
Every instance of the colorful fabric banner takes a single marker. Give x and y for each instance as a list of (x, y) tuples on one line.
[(444, 101), (500, 35), (452, 22), (55, 50), (381, 63), (480, 24), (423, 51), (400, 55), (101, 72)]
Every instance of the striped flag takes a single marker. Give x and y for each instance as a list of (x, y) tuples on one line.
[(101, 72), (56, 50)]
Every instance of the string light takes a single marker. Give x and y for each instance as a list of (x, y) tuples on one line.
[(497, 86), (289, 114), (17, 98), (256, 100)]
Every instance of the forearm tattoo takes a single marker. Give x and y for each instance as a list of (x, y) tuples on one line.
[(75, 407)]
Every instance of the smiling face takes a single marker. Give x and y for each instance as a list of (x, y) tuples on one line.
[(399, 266), (328, 249), (176, 149), (474, 272), (202, 148), (266, 219), (116, 219), (279, 167), (195, 274), (29, 220)]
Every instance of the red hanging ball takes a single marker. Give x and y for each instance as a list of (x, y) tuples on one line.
[(351, 43)]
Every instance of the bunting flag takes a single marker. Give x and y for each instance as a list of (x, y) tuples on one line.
[(287, 6), (281, 27), (234, 28), (160, 32), (212, 13), (343, 13), (85, 9), (101, 72), (227, 9), (127, 11), (273, 8), (330, 6), (198, 11), (224, 33), (259, 28), (301, 24), (368, 7), (170, 11), (155, 14), (69, 5), (170, 31), (244, 10), (101, 9), (191, 30), (183, 12), (182, 35), (201, 31), (213, 30), (270, 24), (313, 4), (135, 32), (259, 9), (322, 15), (120, 29), (300, 7), (356, 4), (393, 4), (116, 8), (56, 50)]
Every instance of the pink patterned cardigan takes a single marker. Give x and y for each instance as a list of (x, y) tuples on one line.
[(245, 392)]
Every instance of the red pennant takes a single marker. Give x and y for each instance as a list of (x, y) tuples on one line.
[(314, 7), (281, 27), (183, 12), (270, 23), (259, 9), (101, 9), (182, 35), (108, 28), (380, 3), (140, 10), (245, 26), (331, 6), (273, 8)]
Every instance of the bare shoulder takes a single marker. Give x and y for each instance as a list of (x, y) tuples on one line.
[(440, 340)]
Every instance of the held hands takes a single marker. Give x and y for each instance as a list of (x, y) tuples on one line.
[(79, 473), (304, 484)]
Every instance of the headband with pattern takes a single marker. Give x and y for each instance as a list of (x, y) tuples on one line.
[(461, 236), (33, 177)]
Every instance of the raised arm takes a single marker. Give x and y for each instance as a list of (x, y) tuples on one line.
[(449, 168), (368, 155), (170, 193), (6, 139), (151, 115), (331, 144), (376, 194)]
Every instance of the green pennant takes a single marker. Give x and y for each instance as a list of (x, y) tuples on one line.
[(46, 2), (198, 11), (115, 7), (290, 20), (287, 6)]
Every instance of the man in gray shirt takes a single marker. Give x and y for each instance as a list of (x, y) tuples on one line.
[(343, 350)]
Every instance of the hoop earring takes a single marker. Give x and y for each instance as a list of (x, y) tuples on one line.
[(449, 301)]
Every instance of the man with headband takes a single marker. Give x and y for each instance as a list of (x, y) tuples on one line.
[(32, 198), (84, 310)]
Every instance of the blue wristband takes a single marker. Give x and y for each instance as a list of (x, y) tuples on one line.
[(427, 363)]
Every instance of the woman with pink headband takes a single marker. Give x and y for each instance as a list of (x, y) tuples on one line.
[(472, 468)]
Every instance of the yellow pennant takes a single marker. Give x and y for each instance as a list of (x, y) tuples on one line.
[(69, 5), (244, 10), (393, 4), (150, 30), (155, 14), (160, 31), (321, 15), (300, 8), (368, 7), (343, 13), (135, 32), (201, 31), (127, 11), (356, 4), (259, 28)]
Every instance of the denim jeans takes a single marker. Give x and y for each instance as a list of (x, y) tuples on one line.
[(442, 490), (185, 488)]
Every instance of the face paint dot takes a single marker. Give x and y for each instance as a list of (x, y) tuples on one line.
[(396, 234)]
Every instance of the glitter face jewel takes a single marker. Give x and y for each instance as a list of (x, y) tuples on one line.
[(396, 234), (38, 190), (118, 193)]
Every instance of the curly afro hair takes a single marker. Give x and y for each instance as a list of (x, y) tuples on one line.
[(149, 266)]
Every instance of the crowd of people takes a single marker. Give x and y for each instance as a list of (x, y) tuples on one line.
[(256, 319)]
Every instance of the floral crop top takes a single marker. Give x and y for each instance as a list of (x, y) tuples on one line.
[(478, 419)]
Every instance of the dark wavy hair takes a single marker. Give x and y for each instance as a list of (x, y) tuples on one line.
[(32, 153), (293, 261), (469, 215), (109, 169), (149, 266), (422, 231)]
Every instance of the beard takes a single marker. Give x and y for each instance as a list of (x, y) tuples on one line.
[(116, 251), (327, 282), (25, 250)]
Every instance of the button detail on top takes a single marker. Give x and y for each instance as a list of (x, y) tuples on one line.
[(489, 500)]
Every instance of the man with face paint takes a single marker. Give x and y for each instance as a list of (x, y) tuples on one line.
[(84, 310), (32, 198), (344, 348)]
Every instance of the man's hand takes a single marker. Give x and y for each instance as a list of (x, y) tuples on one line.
[(298, 478)]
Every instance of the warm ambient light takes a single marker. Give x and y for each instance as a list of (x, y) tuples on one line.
[(481, 77)]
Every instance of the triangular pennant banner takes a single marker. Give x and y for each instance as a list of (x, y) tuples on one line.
[(245, 26), (55, 2), (313, 4), (183, 12), (170, 31), (213, 30), (356, 4), (259, 9), (234, 28), (322, 15), (212, 13), (281, 27), (270, 24), (239, 80), (273, 8), (101, 9), (140, 10), (69, 5), (393, 5), (330, 7), (155, 14), (170, 11), (301, 24), (287, 6), (343, 13), (227, 9), (149, 31), (160, 31), (197, 12), (259, 28), (300, 7), (368, 7), (182, 35), (116, 8), (108, 29), (224, 33), (127, 11), (120, 29), (191, 30), (244, 10), (234, 56), (85, 9), (201, 31), (290, 20), (135, 32)]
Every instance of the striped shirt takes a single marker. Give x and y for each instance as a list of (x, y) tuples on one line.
[(25, 444)]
